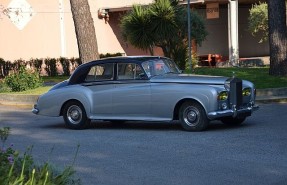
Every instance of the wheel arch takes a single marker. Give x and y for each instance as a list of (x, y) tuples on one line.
[(179, 104), (70, 100)]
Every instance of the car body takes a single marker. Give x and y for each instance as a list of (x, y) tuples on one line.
[(146, 88)]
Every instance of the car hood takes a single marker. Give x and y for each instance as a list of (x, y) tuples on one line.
[(186, 78)]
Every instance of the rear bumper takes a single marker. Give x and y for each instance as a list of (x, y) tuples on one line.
[(233, 112)]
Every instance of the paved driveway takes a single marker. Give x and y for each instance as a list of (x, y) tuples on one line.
[(160, 153)]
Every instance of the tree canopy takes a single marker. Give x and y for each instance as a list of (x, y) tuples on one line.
[(258, 21), (162, 24)]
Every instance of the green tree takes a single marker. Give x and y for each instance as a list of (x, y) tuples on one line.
[(258, 21), (162, 24), (136, 28), (277, 37), (268, 21), (85, 30)]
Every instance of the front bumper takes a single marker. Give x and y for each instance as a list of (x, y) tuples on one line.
[(35, 110), (233, 112)]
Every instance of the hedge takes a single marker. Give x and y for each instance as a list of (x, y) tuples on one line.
[(45, 66)]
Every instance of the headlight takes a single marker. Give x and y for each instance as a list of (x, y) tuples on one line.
[(246, 91), (223, 95)]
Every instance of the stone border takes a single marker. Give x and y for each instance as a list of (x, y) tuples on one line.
[(272, 92)]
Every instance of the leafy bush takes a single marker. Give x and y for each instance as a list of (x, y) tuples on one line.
[(23, 80), (4, 87), (16, 169)]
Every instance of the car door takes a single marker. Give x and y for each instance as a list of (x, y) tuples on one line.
[(131, 96), (100, 80)]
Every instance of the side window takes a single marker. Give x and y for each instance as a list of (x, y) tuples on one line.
[(129, 71), (101, 72)]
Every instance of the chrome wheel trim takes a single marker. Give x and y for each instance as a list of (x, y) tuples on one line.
[(191, 116), (74, 114)]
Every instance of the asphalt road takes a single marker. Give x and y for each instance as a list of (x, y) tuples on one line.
[(160, 153)]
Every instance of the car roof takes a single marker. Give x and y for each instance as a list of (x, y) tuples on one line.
[(123, 59), (82, 70)]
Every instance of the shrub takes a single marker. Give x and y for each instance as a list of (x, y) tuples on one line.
[(66, 66), (17, 169), (110, 55), (258, 21), (51, 66), (37, 63), (4, 67), (4, 87), (23, 80)]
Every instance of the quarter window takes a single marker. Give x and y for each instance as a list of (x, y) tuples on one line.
[(101, 72)]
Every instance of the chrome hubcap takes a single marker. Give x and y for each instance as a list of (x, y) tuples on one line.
[(191, 116), (74, 114)]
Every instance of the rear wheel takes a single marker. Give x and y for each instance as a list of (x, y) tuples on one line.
[(75, 115), (192, 116), (232, 121)]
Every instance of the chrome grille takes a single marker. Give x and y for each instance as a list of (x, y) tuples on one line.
[(236, 92)]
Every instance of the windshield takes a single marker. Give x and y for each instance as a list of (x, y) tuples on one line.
[(160, 66)]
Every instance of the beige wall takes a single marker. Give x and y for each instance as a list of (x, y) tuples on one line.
[(217, 39), (41, 37), (108, 33)]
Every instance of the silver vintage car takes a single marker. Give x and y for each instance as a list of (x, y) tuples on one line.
[(146, 88)]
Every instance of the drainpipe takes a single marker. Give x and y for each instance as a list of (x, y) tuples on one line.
[(233, 32), (62, 29)]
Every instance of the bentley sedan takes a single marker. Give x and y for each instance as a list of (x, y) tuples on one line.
[(146, 88)]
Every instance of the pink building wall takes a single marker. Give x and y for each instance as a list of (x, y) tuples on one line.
[(51, 33), (44, 37)]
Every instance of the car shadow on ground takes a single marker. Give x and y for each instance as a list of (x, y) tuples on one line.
[(155, 126)]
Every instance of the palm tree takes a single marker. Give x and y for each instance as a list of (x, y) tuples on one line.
[(162, 24), (136, 28)]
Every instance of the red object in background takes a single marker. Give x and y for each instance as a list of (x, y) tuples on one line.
[(210, 59)]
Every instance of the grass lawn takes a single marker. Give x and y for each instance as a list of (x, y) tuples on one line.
[(37, 91), (55, 79), (259, 76)]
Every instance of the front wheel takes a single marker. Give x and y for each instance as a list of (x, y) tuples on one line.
[(75, 115), (192, 116), (232, 121)]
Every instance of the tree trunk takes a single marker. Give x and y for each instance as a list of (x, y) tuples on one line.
[(85, 30), (277, 37)]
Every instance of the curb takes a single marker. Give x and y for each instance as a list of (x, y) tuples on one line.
[(263, 96), (278, 95), (18, 100), (272, 92)]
